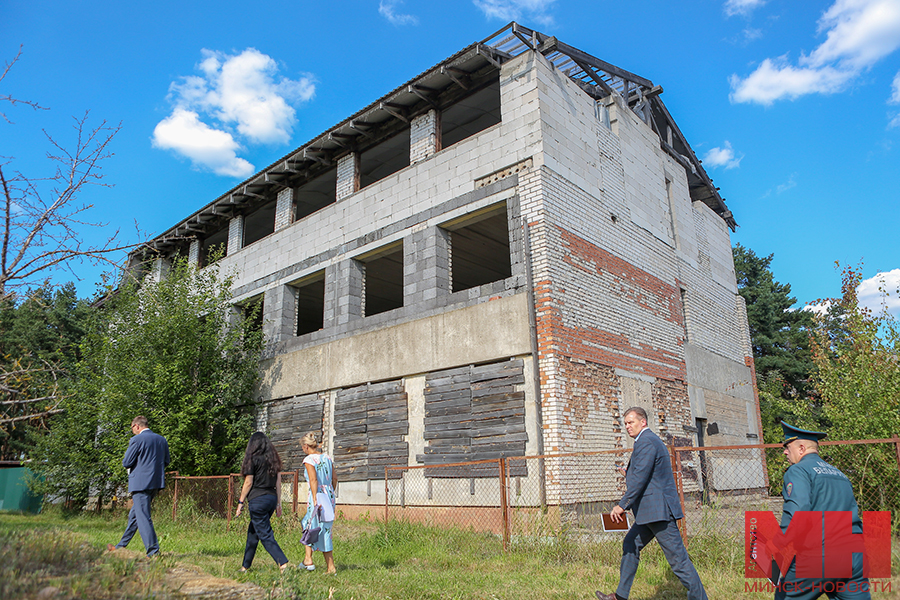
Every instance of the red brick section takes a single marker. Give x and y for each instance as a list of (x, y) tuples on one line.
[(591, 401), (657, 298), (645, 290)]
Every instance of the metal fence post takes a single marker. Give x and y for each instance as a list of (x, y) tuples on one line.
[(672, 454), (296, 489), (897, 446), (679, 482), (504, 508), (385, 500), (175, 501), (228, 505)]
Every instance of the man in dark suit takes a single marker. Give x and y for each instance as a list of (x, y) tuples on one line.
[(146, 459), (652, 496)]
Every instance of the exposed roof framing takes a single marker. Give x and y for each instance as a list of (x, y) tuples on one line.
[(439, 86)]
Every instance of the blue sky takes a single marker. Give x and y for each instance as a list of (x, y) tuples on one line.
[(794, 107)]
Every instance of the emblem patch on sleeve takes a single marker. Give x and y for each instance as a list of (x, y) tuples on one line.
[(790, 488)]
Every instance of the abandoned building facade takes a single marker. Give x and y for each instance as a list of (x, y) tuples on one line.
[(495, 259)]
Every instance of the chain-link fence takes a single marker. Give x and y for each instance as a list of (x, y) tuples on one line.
[(568, 494)]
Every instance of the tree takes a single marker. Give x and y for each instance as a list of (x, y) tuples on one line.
[(857, 356), (41, 219), (39, 339), (780, 340), (779, 335), (175, 351), (857, 365)]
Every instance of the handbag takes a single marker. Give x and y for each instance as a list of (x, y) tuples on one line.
[(311, 533)]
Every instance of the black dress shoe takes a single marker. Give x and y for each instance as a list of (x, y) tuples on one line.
[(602, 596)]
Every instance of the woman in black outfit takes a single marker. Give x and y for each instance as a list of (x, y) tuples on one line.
[(262, 494)]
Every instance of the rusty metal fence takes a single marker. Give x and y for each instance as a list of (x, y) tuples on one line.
[(547, 497), (716, 485), (216, 496)]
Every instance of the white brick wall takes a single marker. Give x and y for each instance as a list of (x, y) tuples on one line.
[(235, 235), (347, 175), (284, 209), (423, 136)]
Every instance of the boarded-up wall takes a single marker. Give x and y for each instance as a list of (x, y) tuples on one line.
[(474, 413), (290, 419), (370, 422)]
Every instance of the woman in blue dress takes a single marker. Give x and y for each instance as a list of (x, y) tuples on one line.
[(319, 471)]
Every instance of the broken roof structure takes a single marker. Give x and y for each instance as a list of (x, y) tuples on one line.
[(440, 86)]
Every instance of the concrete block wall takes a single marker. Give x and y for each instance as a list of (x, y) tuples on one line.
[(343, 292), (426, 265), (279, 313)]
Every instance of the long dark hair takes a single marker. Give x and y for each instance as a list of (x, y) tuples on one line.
[(259, 445)]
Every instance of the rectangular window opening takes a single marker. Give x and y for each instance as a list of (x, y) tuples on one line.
[(384, 159), (383, 280), (479, 248), (315, 194), (259, 223), (253, 310), (214, 246), (310, 303), (470, 115)]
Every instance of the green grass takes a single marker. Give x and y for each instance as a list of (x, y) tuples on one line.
[(399, 560)]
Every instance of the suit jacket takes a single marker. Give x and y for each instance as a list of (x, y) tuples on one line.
[(651, 492), (147, 457)]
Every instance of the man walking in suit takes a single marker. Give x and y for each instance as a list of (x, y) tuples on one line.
[(146, 459), (651, 495)]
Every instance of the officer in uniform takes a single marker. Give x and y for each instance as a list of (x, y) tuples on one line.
[(811, 484)]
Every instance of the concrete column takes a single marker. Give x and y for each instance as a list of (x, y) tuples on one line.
[(279, 313), (424, 136), (426, 265), (343, 292), (194, 253), (235, 235), (284, 209), (347, 176)]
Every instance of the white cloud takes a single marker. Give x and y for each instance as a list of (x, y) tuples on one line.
[(723, 157), (742, 7), (881, 292), (894, 122), (858, 33), (517, 10), (895, 90), (184, 133), (237, 97), (790, 183), (820, 309), (387, 7)]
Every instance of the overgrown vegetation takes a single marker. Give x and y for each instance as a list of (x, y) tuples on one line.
[(174, 351), (397, 560)]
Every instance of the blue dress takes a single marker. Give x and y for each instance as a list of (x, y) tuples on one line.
[(323, 465)]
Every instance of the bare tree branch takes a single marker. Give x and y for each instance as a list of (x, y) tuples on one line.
[(42, 221), (9, 98), (40, 415)]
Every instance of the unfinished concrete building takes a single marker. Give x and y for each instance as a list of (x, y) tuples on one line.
[(495, 259)]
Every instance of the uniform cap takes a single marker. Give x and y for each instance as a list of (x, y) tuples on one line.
[(792, 433)]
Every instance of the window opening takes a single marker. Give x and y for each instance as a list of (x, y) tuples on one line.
[(315, 194), (259, 223), (470, 115), (384, 159), (214, 246), (310, 303), (479, 249), (253, 310), (383, 280)]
